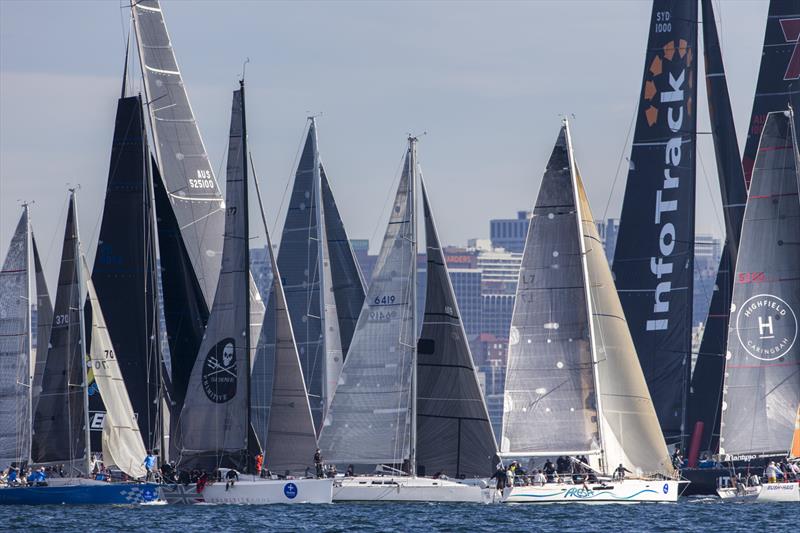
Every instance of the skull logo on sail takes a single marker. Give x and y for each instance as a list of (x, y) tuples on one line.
[(220, 372)]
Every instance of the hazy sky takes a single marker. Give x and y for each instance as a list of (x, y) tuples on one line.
[(486, 80)]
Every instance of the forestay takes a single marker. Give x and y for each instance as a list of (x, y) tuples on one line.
[(122, 442), (369, 420), (550, 404), (15, 354), (454, 433), (762, 384)]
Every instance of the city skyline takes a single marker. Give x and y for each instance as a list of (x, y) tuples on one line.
[(491, 105)]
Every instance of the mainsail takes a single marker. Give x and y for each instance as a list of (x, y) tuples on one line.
[(15, 347), (371, 416), (705, 396), (323, 285), (550, 403), (654, 256), (778, 83), (454, 433), (762, 380), (122, 443), (215, 421), (182, 159), (59, 420), (124, 272)]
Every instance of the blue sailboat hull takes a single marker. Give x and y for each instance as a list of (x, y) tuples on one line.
[(107, 494)]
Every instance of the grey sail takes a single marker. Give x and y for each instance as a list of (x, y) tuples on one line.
[(762, 380), (43, 324), (550, 403), (288, 428), (181, 154), (58, 422), (15, 347), (454, 433), (370, 418), (299, 261), (347, 284), (214, 421)]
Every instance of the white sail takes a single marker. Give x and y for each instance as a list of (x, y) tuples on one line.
[(334, 358), (122, 442), (370, 417)]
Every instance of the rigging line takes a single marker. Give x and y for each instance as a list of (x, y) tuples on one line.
[(720, 225), (53, 237), (621, 157), (289, 179), (395, 179)]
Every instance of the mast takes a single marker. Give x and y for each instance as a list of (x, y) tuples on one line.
[(32, 296), (589, 313), (82, 351), (412, 184), (246, 267)]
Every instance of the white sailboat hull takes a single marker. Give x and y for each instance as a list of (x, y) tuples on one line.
[(253, 492), (732, 493), (407, 489), (779, 492), (626, 491)]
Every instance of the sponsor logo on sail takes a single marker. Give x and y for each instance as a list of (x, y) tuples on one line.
[(766, 327), (666, 103), (220, 372)]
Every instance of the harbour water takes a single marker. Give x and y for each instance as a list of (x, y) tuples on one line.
[(689, 515)]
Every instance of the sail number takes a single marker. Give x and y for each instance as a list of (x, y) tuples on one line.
[(107, 354), (204, 180), (663, 25), (384, 300), (382, 316), (751, 277), (62, 320)]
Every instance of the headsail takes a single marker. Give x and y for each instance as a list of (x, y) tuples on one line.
[(15, 349), (778, 83), (182, 158), (454, 433), (59, 420), (550, 403), (370, 418), (705, 396), (762, 380), (44, 322), (215, 422), (654, 256), (122, 443), (124, 272)]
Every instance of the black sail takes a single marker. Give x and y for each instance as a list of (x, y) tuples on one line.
[(705, 399), (762, 378), (124, 267), (58, 423), (654, 256), (778, 83), (454, 433), (44, 322), (347, 281)]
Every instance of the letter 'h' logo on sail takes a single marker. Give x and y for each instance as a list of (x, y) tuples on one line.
[(764, 327), (791, 32)]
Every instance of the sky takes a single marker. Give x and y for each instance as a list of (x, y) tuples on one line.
[(487, 82)]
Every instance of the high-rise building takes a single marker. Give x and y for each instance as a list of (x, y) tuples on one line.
[(608, 231), (467, 288), (510, 233), (707, 251)]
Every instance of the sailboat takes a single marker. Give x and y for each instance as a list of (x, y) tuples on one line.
[(323, 284), (762, 377), (25, 318), (61, 422), (785, 491), (573, 384), (378, 408), (215, 422)]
